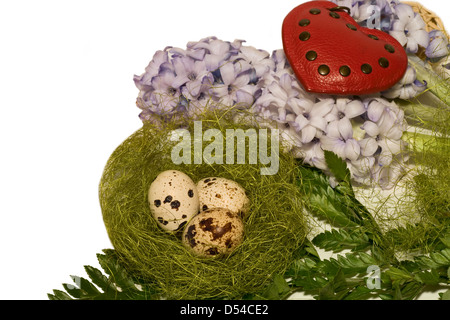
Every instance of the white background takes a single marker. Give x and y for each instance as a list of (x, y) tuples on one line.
[(67, 100)]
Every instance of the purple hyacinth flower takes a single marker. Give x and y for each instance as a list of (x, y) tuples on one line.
[(312, 153), (152, 70), (344, 146), (166, 95), (258, 60), (311, 119), (408, 87), (344, 110), (384, 132), (192, 75), (409, 28), (235, 88), (217, 52), (439, 46)]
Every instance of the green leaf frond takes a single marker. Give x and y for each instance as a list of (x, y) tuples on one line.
[(114, 284)]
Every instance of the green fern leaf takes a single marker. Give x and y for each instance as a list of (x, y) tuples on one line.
[(116, 284), (73, 290), (59, 295), (435, 260), (100, 280), (87, 290), (325, 201), (338, 167), (428, 277), (350, 263), (338, 240), (110, 263), (445, 295), (360, 292)]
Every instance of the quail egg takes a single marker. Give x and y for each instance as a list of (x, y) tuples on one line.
[(216, 192), (173, 199), (214, 232)]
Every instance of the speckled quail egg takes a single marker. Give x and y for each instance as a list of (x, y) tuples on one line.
[(214, 232), (173, 199), (216, 192)]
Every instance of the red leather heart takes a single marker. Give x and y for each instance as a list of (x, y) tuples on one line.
[(330, 53)]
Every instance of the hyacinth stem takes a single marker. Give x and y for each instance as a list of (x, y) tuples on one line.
[(439, 86)]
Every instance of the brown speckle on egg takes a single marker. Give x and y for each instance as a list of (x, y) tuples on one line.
[(190, 236), (214, 232), (175, 204), (212, 226), (212, 251), (181, 225), (162, 221)]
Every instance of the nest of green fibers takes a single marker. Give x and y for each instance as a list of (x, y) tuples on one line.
[(274, 227)]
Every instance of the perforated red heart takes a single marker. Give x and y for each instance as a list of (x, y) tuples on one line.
[(330, 53)]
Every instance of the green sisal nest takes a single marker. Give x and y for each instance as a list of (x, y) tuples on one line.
[(274, 227)]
